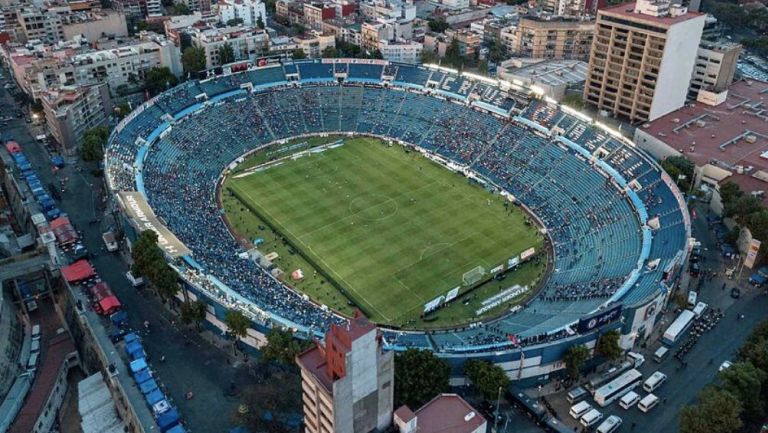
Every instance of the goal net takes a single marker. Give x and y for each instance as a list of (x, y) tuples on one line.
[(472, 276)]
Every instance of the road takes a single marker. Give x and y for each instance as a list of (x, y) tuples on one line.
[(192, 363)]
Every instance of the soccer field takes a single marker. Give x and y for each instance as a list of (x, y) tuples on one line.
[(394, 229)]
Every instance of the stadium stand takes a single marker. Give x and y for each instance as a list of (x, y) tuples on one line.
[(572, 176)]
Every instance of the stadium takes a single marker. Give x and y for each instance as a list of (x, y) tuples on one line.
[(600, 226)]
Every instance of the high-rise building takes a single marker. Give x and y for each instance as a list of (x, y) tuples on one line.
[(642, 58), (72, 110), (715, 67), (347, 381), (549, 37), (249, 11)]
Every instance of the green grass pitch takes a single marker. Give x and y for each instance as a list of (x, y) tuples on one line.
[(393, 228)]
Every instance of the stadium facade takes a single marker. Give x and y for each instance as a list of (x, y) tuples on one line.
[(619, 226)]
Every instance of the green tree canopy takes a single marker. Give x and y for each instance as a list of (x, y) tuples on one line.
[(226, 54), (487, 378), (729, 13), (608, 345), (237, 323), (193, 312), (419, 377), (158, 80), (282, 347), (574, 100), (299, 54), (329, 53), (149, 261), (745, 381), (235, 22), (718, 411), (438, 25), (193, 60), (680, 169), (574, 358), (92, 144)]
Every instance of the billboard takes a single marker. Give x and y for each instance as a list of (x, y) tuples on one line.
[(514, 261), (433, 304), (754, 247), (527, 254), (138, 210), (497, 269), (598, 319), (452, 294)]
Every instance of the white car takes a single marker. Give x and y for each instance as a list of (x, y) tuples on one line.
[(725, 365)]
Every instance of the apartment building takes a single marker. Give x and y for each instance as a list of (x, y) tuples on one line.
[(715, 67), (250, 11), (313, 43), (550, 37), (642, 59), (401, 50), (72, 110), (348, 381), (246, 42)]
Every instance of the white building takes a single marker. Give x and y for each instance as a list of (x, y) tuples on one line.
[(401, 51), (247, 42), (247, 10), (154, 8), (454, 4)]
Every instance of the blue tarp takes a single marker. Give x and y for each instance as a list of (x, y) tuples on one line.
[(757, 279), (135, 350), (130, 337), (154, 397), (167, 420), (120, 318), (148, 386), (142, 376), (57, 161), (138, 365)]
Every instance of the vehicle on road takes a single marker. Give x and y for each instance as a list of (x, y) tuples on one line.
[(636, 358), (648, 402), (610, 425), (678, 327), (660, 354), (725, 365), (579, 409), (591, 418), (109, 240), (692, 299), (576, 395), (655, 381), (616, 388), (629, 399), (698, 310), (135, 281)]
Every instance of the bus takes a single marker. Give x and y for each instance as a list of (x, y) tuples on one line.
[(606, 394), (678, 327)]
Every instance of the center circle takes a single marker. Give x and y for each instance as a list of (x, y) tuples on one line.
[(373, 207)]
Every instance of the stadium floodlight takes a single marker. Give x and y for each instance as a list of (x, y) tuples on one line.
[(480, 78), (473, 275), (577, 113), (550, 100), (518, 82), (537, 90)]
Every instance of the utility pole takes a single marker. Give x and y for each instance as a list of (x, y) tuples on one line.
[(496, 414)]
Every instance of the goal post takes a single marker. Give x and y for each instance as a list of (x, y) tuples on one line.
[(473, 275)]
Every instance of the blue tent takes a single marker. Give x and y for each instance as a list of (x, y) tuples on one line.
[(757, 279), (168, 420), (177, 429), (135, 350), (57, 161), (148, 386), (130, 337), (142, 376), (138, 365), (154, 397), (120, 318)]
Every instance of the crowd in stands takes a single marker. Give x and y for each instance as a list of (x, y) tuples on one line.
[(595, 231)]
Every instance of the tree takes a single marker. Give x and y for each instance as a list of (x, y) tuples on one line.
[(608, 345), (235, 22), (419, 377), (745, 381), (260, 22), (226, 54), (122, 110), (299, 28), (574, 100), (179, 9), (729, 13), (299, 54), (453, 54), (193, 60), (718, 411), (482, 67), (277, 393), (680, 169), (574, 358), (166, 281), (438, 25), (92, 145), (237, 325), (193, 312), (487, 378), (428, 56), (329, 53), (282, 347), (497, 52), (158, 80)]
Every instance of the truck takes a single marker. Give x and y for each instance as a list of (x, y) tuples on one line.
[(135, 281), (678, 327), (109, 241)]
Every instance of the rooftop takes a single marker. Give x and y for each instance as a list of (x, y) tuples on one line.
[(627, 10), (554, 72), (718, 134), (448, 413)]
